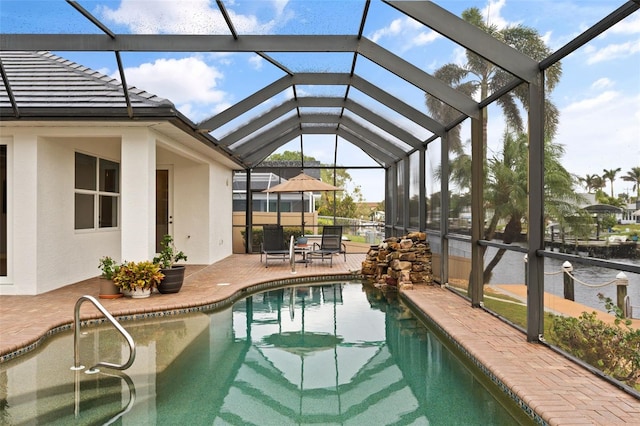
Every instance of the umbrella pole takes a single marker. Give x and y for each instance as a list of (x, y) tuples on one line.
[(302, 209)]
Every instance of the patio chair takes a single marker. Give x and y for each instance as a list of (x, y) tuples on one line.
[(273, 244), (330, 245)]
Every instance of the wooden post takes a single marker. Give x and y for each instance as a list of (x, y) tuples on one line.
[(568, 282), (622, 282)]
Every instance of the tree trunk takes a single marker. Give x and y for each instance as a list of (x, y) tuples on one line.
[(511, 233)]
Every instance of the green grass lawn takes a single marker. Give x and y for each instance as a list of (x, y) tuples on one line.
[(513, 312)]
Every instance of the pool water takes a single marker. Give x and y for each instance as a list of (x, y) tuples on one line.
[(336, 353)]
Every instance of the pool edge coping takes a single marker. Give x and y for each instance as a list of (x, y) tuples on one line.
[(96, 319)]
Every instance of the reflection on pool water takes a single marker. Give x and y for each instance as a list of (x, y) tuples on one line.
[(325, 354)]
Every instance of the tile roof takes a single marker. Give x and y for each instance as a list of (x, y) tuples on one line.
[(45, 85)]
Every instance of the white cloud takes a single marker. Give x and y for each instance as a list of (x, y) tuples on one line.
[(630, 25), (546, 38), (189, 83), (176, 17), (612, 51), (425, 38), (407, 32), (256, 62), (602, 83), (491, 14), (460, 56), (601, 133), (279, 6), (590, 104)]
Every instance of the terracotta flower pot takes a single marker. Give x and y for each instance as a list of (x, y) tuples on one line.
[(108, 290)]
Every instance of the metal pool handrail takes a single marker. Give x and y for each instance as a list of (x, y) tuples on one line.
[(116, 324), (292, 255)]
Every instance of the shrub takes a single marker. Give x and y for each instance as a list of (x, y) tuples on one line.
[(169, 255), (138, 275), (109, 267), (613, 349)]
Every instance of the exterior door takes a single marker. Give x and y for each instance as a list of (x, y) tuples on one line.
[(164, 214)]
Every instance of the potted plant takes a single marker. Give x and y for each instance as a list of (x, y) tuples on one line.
[(167, 259), (108, 289), (137, 279)]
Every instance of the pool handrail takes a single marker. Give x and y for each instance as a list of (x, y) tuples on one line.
[(292, 254), (116, 324)]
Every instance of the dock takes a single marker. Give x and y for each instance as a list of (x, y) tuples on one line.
[(601, 249)]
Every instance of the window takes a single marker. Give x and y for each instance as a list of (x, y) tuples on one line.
[(97, 190)]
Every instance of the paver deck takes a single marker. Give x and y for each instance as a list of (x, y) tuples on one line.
[(560, 391)]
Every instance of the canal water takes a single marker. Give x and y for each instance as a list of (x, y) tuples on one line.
[(589, 280)]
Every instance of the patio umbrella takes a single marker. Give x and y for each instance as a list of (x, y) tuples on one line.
[(636, 213), (302, 183)]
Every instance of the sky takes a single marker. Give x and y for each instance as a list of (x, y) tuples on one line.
[(598, 95)]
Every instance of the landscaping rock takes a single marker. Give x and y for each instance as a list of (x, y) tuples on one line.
[(400, 262)]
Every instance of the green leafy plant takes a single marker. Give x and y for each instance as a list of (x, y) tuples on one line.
[(613, 349), (138, 275), (109, 267), (169, 255)]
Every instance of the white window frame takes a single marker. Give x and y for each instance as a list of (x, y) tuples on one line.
[(97, 194)]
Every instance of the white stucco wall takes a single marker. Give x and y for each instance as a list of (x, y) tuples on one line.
[(221, 212), (46, 252), (138, 188), (201, 205), (23, 200), (190, 189), (65, 254)]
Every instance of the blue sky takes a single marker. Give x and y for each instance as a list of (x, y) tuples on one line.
[(598, 95)]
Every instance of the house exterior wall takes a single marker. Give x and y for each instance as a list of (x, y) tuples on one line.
[(138, 188), (64, 254), (221, 217), (46, 252), (22, 202)]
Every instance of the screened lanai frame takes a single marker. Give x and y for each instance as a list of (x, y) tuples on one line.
[(248, 145)]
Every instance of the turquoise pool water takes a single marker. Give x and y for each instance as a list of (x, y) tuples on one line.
[(327, 354)]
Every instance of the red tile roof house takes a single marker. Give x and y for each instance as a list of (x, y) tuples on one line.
[(90, 170)]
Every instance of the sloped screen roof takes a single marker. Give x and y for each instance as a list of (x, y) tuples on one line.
[(323, 70)]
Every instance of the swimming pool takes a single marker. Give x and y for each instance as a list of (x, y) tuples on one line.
[(335, 353)]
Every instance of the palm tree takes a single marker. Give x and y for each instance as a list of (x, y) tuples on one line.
[(610, 175), (592, 182), (506, 191), (479, 77), (634, 176)]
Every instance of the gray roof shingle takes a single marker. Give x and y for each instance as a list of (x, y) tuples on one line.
[(50, 85)]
